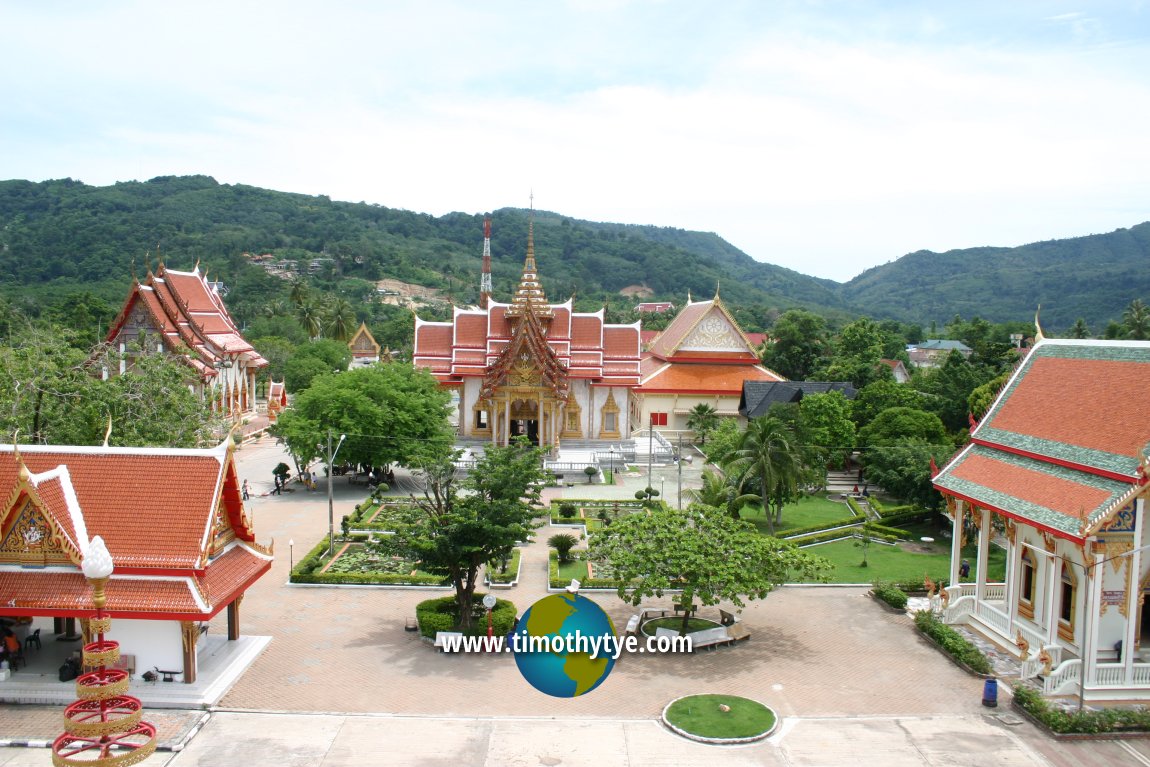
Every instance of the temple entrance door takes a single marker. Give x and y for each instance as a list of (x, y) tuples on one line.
[(533, 431), (528, 427), (1144, 620)]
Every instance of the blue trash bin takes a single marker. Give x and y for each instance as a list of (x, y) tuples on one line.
[(990, 693)]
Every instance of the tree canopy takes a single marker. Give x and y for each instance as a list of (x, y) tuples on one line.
[(455, 529), (701, 551), (391, 413)]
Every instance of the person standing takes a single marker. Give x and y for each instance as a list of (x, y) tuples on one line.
[(245, 490)]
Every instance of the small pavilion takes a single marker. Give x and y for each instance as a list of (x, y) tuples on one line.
[(181, 542)]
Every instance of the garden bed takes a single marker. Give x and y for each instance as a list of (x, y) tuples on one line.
[(359, 568), (720, 719)]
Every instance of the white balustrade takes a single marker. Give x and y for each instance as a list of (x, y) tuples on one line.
[(1142, 674), (1109, 675), (1065, 677), (993, 618), (995, 592)]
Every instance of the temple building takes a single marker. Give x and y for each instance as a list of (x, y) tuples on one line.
[(1057, 472), (530, 367), (183, 314), (364, 348), (702, 357), (182, 546)]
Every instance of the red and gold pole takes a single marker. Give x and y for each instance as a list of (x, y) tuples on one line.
[(104, 727)]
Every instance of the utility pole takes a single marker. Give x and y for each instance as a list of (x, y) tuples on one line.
[(680, 471), (330, 503), (650, 454)]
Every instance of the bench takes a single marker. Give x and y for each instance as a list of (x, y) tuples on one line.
[(441, 638), (710, 638), (169, 676)]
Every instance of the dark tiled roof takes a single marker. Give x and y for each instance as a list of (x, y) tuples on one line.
[(759, 396)]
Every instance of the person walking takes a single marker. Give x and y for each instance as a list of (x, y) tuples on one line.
[(245, 490)]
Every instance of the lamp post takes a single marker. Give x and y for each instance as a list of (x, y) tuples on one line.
[(291, 556), (489, 602), (612, 451), (103, 726), (331, 454), (1086, 611)]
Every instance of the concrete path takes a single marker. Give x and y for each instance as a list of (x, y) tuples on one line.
[(854, 683)]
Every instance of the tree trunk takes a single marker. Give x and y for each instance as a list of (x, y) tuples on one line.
[(686, 620)]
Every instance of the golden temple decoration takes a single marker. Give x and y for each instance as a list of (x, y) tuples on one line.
[(1023, 646), (1046, 660)]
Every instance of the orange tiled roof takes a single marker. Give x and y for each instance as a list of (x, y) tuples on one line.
[(717, 379), (1061, 446), (153, 507)]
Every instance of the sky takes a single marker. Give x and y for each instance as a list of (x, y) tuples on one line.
[(825, 137)]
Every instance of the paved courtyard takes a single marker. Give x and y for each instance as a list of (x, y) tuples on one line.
[(343, 683)]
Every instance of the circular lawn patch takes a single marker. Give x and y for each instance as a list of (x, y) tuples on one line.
[(720, 718)]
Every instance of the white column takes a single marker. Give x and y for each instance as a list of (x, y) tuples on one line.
[(983, 552), (1089, 648), (956, 540), (1011, 570), (1133, 597), (1052, 582)]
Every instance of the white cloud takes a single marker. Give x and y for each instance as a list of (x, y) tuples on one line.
[(797, 140)]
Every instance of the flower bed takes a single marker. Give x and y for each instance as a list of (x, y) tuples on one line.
[(311, 569)]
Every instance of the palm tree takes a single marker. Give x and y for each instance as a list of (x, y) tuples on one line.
[(703, 419), (1137, 320), (769, 454), (299, 291), (720, 492), (1079, 329), (341, 321), (310, 319)]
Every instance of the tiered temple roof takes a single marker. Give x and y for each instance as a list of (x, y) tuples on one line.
[(1064, 446), (188, 313), (173, 520)]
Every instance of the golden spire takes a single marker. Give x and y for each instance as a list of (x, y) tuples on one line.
[(530, 294), (108, 432)]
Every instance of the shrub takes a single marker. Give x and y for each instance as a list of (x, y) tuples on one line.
[(891, 594), (952, 642), (563, 543), (887, 533), (441, 615), (567, 510), (1105, 720)]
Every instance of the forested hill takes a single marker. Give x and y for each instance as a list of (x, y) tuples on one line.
[(64, 235), (1092, 277)]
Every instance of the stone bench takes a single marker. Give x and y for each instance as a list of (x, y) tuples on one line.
[(710, 638)]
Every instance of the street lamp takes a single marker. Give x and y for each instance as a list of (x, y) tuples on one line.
[(331, 454), (612, 451), (489, 602), (291, 556)]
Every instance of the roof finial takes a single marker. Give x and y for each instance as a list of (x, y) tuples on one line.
[(716, 290), (688, 296), (108, 431), (196, 268), (1038, 336), (22, 470)]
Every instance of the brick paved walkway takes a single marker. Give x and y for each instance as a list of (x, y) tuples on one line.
[(814, 653)]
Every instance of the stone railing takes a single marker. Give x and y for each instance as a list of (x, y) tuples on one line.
[(1064, 678)]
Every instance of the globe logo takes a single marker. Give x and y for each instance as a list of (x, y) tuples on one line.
[(552, 645)]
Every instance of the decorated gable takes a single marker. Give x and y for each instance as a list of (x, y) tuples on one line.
[(714, 333), (27, 537)]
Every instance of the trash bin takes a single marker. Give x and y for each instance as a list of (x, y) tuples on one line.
[(990, 693)]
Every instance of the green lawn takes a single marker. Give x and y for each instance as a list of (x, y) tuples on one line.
[(675, 623), (809, 511), (893, 563), (576, 569), (701, 715)]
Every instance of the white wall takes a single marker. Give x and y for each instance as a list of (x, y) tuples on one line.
[(154, 643)]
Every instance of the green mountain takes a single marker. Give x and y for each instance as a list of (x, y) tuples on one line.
[(65, 235), (1093, 277)]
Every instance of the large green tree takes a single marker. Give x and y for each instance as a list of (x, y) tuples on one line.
[(897, 448), (828, 431), (857, 355), (700, 551), (798, 344), (391, 413), (1136, 318), (54, 394), (454, 527)]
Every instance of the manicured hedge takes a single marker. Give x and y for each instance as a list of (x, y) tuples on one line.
[(887, 532), (1059, 721), (853, 505), (902, 517), (556, 582), (380, 579), (440, 615), (797, 532), (884, 510), (512, 573), (951, 642), (891, 594)]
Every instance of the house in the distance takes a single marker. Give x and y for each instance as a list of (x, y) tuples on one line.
[(760, 396), (933, 352)]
